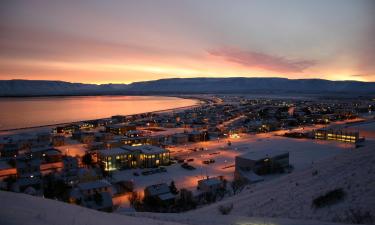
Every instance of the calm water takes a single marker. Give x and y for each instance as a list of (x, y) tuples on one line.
[(29, 112)]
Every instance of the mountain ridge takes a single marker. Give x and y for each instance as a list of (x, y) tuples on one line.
[(186, 86)]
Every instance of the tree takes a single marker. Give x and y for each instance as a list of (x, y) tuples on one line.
[(186, 200), (237, 186), (87, 159), (173, 188), (134, 199), (98, 198)]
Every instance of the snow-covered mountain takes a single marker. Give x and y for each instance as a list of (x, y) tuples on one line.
[(187, 85)]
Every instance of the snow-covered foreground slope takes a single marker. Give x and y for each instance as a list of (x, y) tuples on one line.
[(283, 201), (291, 196), (21, 209)]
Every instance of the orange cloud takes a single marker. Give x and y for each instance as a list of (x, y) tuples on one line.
[(263, 61)]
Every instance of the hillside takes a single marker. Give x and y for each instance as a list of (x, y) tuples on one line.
[(187, 86), (291, 196), (28, 210), (283, 201), (21, 209)]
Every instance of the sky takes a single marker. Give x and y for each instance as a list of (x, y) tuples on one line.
[(123, 41)]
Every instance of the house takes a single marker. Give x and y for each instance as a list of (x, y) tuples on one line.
[(103, 137), (46, 153), (210, 185), (160, 192), (133, 133), (261, 162), (70, 170), (92, 187), (180, 138), (70, 163), (119, 129), (196, 136), (58, 140), (84, 137), (144, 156), (95, 195), (87, 175), (28, 174), (9, 150), (119, 118)]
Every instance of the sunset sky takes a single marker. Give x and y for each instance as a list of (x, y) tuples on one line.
[(125, 41)]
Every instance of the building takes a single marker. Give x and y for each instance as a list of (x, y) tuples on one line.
[(337, 135), (95, 195), (28, 174), (249, 165), (8, 150), (46, 154), (144, 156), (145, 140), (180, 138), (160, 192), (84, 137), (119, 129), (58, 140), (210, 185), (196, 136)]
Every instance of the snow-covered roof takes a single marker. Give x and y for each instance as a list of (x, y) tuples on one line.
[(210, 181), (258, 155), (158, 189), (94, 185), (166, 196), (113, 152), (250, 176)]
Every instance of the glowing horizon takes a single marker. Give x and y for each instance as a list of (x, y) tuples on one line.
[(125, 41)]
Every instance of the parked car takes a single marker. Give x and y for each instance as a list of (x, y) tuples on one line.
[(187, 166)]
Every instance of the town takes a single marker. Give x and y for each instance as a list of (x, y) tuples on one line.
[(179, 160)]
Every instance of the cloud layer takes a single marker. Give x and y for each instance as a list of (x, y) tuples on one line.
[(262, 61)]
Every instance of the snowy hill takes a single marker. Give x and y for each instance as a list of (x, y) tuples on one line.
[(291, 196), (21, 209), (187, 85), (283, 201)]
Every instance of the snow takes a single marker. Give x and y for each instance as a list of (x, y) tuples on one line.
[(302, 154), (291, 196), (28, 210), (288, 199)]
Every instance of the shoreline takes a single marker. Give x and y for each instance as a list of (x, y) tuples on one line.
[(199, 102)]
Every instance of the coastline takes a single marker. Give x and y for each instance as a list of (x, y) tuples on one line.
[(199, 102)]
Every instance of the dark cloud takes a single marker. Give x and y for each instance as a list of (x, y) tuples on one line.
[(261, 60)]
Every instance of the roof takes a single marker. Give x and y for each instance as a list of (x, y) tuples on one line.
[(27, 163), (145, 149), (180, 135), (250, 176), (210, 181), (113, 152), (94, 184), (259, 155), (150, 149), (166, 196), (158, 189), (119, 125)]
